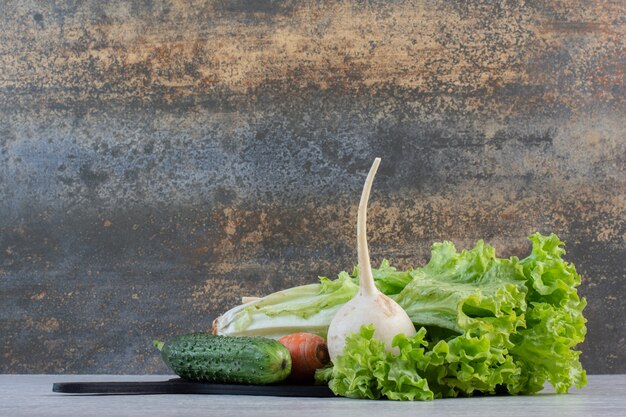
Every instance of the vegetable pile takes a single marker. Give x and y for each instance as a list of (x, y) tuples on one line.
[(486, 325)]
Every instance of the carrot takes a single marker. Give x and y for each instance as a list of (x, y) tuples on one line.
[(308, 353)]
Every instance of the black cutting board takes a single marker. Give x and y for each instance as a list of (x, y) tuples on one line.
[(181, 386)]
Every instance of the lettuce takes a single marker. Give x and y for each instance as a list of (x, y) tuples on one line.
[(462, 365), (494, 326), (367, 370), (554, 321), (468, 290)]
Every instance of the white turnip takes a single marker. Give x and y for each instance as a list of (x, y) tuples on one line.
[(369, 305)]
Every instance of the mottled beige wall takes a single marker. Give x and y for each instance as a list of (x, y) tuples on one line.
[(158, 160)]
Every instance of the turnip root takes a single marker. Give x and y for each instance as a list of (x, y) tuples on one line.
[(369, 305)]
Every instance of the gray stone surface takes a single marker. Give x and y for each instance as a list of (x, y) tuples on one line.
[(159, 160), (31, 395)]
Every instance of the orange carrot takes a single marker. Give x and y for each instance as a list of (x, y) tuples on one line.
[(308, 353)]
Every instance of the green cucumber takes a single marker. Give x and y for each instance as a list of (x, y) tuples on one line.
[(205, 357)]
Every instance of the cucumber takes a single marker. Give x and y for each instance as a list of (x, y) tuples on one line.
[(205, 357)]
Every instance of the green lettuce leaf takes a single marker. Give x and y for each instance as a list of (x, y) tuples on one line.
[(367, 370), (388, 279), (554, 321), (472, 289)]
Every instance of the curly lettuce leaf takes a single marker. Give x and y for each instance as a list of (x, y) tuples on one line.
[(463, 365), (472, 289), (554, 321), (468, 364), (367, 370)]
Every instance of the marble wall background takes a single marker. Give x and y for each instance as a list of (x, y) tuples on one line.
[(159, 160)]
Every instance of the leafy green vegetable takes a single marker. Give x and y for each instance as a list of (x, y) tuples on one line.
[(554, 321), (388, 279), (514, 325), (306, 308), (468, 290), (366, 370), (487, 325)]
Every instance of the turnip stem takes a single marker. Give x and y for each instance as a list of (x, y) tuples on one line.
[(366, 279), (368, 306)]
